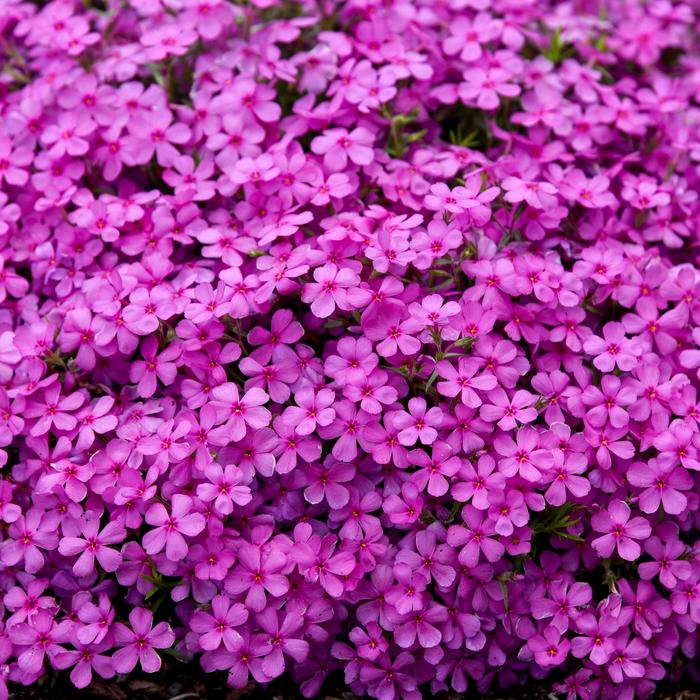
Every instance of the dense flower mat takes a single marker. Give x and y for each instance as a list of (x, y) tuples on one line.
[(352, 337)]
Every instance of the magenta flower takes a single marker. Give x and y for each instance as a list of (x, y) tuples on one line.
[(67, 136), (138, 642), (607, 403), (256, 573), (146, 308), (291, 446), (370, 642), (334, 287), (154, 135), (281, 641), (565, 475), (242, 413), (613, 349), (346, 339), (408, 595), (83, 660), (461, 381), (484, 88), (155, 366), (475, 538), (219, 625), (93, 545), (337, 146), (421, 627), (620, 531), (418, 423), (224, 488), (27, 536), (467, 37), (404, 509), (326, 482), (435, 470), (662, 486), (667, 564), (171, 528), (39, 640), (540, 195), (96, 620), (313, 409), (523, 456), (53, 412), (318, 562), (626, 656), (474, 484), (548, 648), (509, 411)]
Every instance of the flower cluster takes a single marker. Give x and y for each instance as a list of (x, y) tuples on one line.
[(351, 337)]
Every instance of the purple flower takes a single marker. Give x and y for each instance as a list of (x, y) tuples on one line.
[(280, 641), (621, 531), (138, 642), (172, 527), (548, 648), (93, 546), (219, 626)]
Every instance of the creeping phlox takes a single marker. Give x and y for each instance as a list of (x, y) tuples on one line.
[(351, 338)]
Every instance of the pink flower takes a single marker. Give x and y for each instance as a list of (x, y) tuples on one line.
[(219, 625), (463, 382), (67, 136), (467, 36), (540, 195), (224, 488), (155, 366), (167, 40), (436, 469), (509, 411), (565, 478), (418, 423), (138, 642), (54, 412), (334, 287), (281, 640), (242, 413), (644, 192), (257, 572), (186, 176), (13, 162), (482, 87), (338, 145), (523, 456), (93, 546), (662, 485), (474, 484), (613, 349), (318, 561), (172, 527), (326, 483), (404, 509), (620, 530), (549, 648), (38, 640), (155, 135), (146, 308), (27, 535), (83, 660), (475, 538), (607, 403), (312, 409)]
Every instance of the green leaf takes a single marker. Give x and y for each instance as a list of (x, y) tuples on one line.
[(465, 342), (432, 379)]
